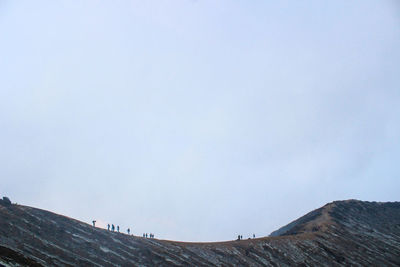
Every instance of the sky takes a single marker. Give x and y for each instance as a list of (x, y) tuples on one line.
[(198, 120)]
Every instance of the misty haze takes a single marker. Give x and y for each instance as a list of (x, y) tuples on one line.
[(198, 120)]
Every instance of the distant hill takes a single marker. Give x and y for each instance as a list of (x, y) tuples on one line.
[(340, 233)]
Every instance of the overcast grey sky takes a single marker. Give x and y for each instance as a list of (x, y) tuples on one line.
[(198, 120)]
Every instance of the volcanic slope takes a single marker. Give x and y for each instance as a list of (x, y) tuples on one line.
[(340, 233)]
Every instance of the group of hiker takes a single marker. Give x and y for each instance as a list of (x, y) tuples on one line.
[(240, 237), (146, 235), (149, 235), (111, 227)]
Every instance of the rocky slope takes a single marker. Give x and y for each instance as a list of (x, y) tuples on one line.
[(340, 233)]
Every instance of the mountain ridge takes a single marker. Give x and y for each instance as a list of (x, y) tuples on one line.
[(349, 232)]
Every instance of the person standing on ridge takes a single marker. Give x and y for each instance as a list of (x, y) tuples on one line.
[(94, 223), (108, 227), (112, 227), (118, 228), (129, 230)]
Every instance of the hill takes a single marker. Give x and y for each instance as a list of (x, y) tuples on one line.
[(340, 233)]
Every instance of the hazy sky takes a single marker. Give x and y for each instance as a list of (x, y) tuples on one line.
[(198, 120)]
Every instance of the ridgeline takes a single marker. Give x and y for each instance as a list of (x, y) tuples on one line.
[(340, 233)]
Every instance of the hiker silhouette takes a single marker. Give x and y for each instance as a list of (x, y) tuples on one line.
[(129, 230), (118, 228), (112, 227), (108, 227)]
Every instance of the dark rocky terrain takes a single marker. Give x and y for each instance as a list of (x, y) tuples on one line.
[(340, 233)]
